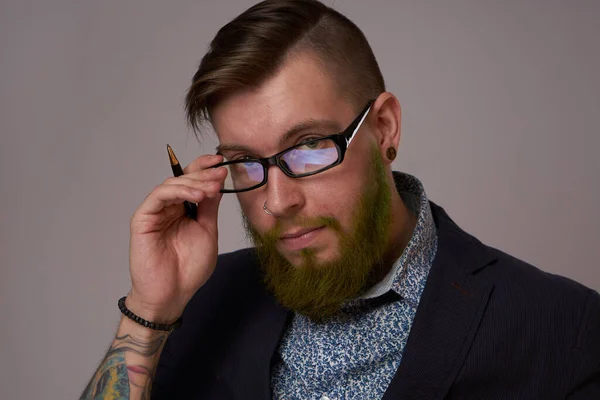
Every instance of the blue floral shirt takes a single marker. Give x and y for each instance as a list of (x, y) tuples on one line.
[(355, 354)]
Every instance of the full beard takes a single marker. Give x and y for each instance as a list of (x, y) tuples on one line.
[(318, 289)]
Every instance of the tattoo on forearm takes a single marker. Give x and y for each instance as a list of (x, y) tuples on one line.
[(127, 342), (110, 380), (117, 379)]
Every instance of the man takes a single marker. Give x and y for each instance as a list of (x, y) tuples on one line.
[(358, 287)]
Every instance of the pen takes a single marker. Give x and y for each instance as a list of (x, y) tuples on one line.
[(190, 208)]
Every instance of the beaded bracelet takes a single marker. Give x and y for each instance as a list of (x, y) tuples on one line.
[(148, 324)]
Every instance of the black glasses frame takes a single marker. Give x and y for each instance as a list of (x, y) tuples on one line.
[(341, 141)]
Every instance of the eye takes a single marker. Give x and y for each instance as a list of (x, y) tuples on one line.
[(311, 144), (242, 157)]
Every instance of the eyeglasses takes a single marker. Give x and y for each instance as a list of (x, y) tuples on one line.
[(304, 159)]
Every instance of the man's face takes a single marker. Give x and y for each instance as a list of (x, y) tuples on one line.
[(312, 217)]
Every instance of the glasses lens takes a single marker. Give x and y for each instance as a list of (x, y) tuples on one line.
[(243, 175), (311, 157)]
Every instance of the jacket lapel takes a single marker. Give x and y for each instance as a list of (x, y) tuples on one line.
[(249, 376), (448, 316)]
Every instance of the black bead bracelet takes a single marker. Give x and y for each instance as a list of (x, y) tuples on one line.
[(148, 324)]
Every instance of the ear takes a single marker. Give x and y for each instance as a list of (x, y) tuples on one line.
[(387, 116)]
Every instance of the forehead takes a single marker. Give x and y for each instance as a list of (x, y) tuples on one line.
[(300, 92)]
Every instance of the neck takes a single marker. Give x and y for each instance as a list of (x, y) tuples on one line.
[(402, 226)]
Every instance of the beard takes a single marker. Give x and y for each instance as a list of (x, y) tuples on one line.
[(318, 289)]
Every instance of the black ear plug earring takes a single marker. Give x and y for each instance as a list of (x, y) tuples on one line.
[(391, 153)]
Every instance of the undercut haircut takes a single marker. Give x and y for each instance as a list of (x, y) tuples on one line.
[(253, 47)]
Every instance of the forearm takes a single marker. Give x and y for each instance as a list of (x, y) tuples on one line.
[(127, 370)]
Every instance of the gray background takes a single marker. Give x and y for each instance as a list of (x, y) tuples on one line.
[(500, 100)]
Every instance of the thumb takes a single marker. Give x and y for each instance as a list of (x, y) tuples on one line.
[(208, 212)]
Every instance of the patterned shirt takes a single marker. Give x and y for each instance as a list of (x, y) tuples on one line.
[(355, 354)]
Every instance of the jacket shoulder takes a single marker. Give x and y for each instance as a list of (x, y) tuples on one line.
[(520, 277), (503, 270), (551, 322)]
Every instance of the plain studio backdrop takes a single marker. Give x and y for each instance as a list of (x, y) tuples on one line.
[(501, 105)]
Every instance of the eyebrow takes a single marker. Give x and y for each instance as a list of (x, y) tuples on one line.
[(316, 125)]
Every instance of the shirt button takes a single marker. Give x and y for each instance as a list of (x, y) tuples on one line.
[(324, 397)]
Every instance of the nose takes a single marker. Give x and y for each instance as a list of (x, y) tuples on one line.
[(284, 195)]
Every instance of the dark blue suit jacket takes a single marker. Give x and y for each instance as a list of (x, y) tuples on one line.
[(488, 326)]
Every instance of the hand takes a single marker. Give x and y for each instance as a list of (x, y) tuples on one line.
[(170, 255)]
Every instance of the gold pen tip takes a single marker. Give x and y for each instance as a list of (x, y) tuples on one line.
[(172, 158)]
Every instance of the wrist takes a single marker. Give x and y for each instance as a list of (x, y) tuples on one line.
[(153, 325), (151, 313), (132, 328)]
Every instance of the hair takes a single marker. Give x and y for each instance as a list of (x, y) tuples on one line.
[(253, 47)]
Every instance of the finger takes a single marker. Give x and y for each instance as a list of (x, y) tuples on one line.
[(194, 183), (205, 175), (165, 195), (210, 187), (208, 213), (203, 162)]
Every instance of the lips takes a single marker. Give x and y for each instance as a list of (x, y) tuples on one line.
[(298, 233), (299, 239)]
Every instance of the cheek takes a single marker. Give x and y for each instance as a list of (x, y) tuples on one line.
[(253, 210), (339, 193), (246, 202), (337, 196)]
